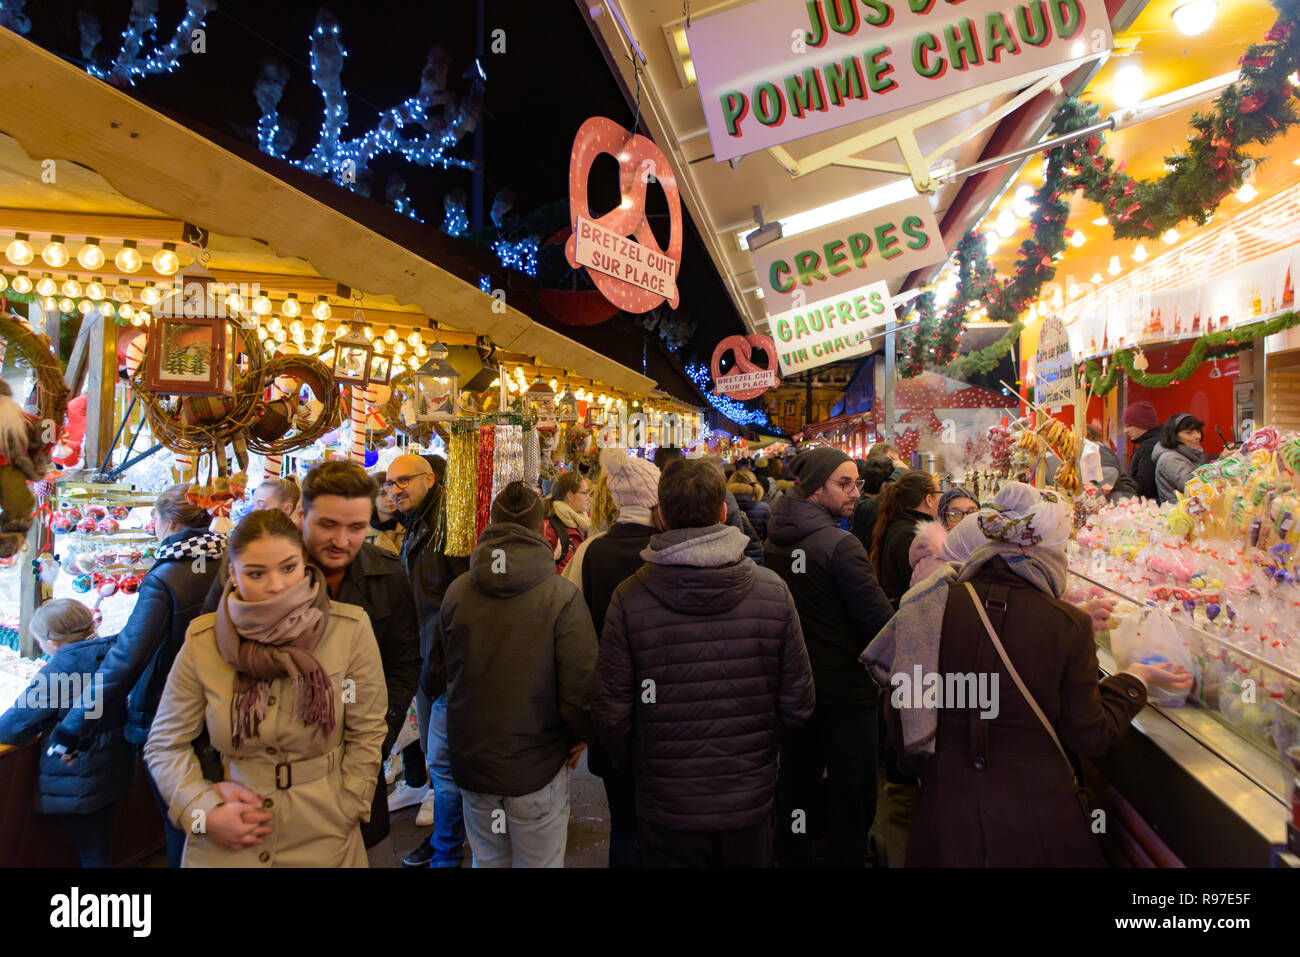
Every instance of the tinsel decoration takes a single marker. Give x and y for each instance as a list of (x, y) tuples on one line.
[(483, 478), (508, 456), (1257, 109), (532, 457), (1225, 342), (462, 497)]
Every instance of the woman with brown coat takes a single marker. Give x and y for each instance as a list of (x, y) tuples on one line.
[(291, 688), (995, 789)]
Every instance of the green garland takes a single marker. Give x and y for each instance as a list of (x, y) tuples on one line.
[(1256, 109), (1233, 339), (984, 361)]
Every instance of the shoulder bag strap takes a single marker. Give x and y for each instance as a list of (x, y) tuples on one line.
[(1015, 676)]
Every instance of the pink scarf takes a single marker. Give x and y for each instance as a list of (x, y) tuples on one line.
[(271, 639)]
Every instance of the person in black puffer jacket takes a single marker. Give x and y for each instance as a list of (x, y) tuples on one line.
[(717, 639), (749, 496), (904, 505), (83, 794), (171, 596)]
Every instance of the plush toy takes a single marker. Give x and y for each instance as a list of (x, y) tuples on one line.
[(23, 457)]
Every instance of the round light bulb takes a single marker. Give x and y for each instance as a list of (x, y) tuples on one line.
[(72, 288), (262, 305), (1247, 193), (139, 319), (19, 252), (342, 330), (56, 253), (22, 284), (421, 350), (46, 285), (143, 316), (274, 325), (378, 346), (4, 283), (1195, 17), (234, 302), (50, 304), (281, 336), (296, 328), (122, 291), (397, 366), (322, 309), (95, 289), (291, 308), (1006, 224), (414, 339), (399, 348), (1129, 87), (368, 332), (318, 330), (85, 307), (106, 308), (90, 255), (128, 258), (126, 311), (262, 333), (165, 260), (66, 305), (391, 335)]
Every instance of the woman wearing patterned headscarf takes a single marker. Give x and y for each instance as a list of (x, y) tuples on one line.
[(995, 787)]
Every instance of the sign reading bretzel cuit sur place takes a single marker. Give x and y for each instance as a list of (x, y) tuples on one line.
[(773, 71), (879, 244), (828, 330)]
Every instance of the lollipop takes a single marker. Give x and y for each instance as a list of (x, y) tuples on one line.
[(60, 523), (1180, 523), (107, 588), (119, 512), (81, 584), (87, 525), (107, 526), (1260, 458), (1233, 466), (96, 512), (1266, 438), (129, 584)]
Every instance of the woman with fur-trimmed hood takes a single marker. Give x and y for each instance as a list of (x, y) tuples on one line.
[(749, 496)]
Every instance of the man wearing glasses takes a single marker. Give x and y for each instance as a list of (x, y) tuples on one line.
[(419, 497), (841, 608)]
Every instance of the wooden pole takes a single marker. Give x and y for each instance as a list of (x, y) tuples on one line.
[(102, 387)]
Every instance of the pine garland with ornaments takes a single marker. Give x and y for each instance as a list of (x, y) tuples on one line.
[(1256, 109)]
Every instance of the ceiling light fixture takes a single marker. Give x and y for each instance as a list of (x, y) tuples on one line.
[(1129, 86), (833, 212), (1195, 17)]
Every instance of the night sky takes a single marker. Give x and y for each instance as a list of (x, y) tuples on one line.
[(551, 78)]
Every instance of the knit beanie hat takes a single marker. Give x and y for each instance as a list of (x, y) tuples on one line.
[(632, 481), (811, 469), (1141, 415), (519, 504)]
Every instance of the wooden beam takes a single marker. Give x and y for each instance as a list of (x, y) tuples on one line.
[(74, 374), (106, 227)]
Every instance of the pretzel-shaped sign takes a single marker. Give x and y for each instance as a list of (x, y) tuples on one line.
[(743, 347), (639, 162)]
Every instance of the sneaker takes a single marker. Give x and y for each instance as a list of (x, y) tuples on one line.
[(424, 818), (404, 796), (420, 857), (393, 769)]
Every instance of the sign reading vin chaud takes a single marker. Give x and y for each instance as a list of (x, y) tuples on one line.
[(831, 329), (886, 242), (773, 71)]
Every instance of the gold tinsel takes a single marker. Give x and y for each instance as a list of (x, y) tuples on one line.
[(462, 492)]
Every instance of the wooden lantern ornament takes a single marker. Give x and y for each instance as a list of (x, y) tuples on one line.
[(353, 360), (436, 388), (191, 349)]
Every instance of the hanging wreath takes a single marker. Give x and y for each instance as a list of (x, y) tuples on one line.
[(275, 420), (51, 391)]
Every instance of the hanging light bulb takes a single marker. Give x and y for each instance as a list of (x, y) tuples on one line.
[(106, 308), (397, 366), (46, 285), (274, 325), (1247, 193), (1114, 268), (319, 330), (72, 288), (165, 260), (150, 294), (1195, 17), (1129, 87), (95, 289), (66, 305), (1078, 239), (368, 332), (139, 319), (126, 311), (414, 338), (281, 337), (322, 309), (1140, 254), (50, 304), (1006, 224), (56, 253), (343, 329), (399, 347), (90, 255), (85, 307), (391, 335), (422, 350), (261, 305), (19, 252), (122, 291), (291, 308), (4, 283), (262, 333), (234, 301), (128, 258), (296, 329), (1171, 236), (377, 345), (22, 283)]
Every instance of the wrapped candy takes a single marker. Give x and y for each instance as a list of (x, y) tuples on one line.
[(87, 525), (119, 512), (1267, 438), (105, 559), (129, 584), (107, 526)]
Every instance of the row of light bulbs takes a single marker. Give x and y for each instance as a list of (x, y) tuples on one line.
[(55, 254)]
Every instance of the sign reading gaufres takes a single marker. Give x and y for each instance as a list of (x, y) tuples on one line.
[(773, 71), (880, 244), (838, 327)]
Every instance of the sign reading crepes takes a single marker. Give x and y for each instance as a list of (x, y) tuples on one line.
[(1054, 383), (880, 244), (831, 329), (607, 252), (773, 71)]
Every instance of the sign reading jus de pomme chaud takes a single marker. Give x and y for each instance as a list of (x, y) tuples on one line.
[(773, 71)]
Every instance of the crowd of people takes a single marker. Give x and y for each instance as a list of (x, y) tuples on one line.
[(725, 642)]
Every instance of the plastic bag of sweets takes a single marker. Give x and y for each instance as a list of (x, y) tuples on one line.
[(1150, 637)]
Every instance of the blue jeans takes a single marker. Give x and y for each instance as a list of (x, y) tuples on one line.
[(448, 837)]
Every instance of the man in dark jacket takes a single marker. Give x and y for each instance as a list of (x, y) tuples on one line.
[(419, 500), (841, 607), (1142, 426), (136, 667), (701, 663), (876, 472), (518, 650)]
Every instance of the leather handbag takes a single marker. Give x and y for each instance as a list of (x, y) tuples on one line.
[(1080, 792)]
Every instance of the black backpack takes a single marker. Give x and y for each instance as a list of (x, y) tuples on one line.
[(562, 534)]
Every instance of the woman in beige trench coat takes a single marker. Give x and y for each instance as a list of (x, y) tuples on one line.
[(301, 754)]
